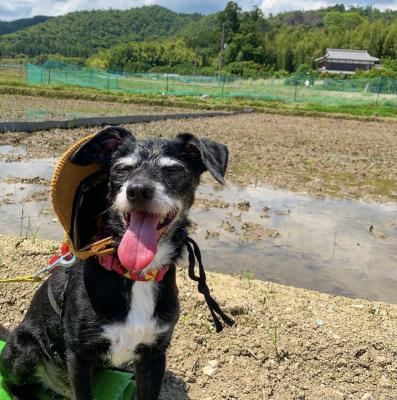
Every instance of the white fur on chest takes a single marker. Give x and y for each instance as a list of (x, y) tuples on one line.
[(140, 326)]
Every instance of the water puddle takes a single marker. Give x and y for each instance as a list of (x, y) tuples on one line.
[(11, 150), (336, 246)]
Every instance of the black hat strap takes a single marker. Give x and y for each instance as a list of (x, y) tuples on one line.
[(194, 253)]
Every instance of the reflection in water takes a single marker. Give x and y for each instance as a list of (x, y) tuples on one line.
[(338, 246)]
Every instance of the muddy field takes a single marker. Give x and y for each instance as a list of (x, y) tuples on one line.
[(288, 344), (30, 108), (325, 157)]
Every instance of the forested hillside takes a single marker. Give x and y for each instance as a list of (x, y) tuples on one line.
[(18, 24), (83, 33), (156, 39)]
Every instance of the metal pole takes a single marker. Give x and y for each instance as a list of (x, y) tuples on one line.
[(108, 81), (166, 87), (195, 61), (49, 75), (221, 52)]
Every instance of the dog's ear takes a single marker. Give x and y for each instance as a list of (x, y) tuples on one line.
[(100, 148), (206, 154)]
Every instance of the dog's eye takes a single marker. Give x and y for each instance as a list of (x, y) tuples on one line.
[(173, 168), (123, 168)]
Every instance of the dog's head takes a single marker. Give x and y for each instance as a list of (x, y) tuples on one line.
[(151, 188)]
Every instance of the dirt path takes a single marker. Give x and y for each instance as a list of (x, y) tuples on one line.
[(333, 157), (288, 344)]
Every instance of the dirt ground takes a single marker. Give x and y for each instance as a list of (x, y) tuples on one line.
[(288, 343), (30, 108), (321, 156)]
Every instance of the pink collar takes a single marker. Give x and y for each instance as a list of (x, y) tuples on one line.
[(112, 263)]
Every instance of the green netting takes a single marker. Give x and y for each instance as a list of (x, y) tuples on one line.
[(294, 89)]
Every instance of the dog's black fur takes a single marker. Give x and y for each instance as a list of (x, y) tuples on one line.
[(68, 348)]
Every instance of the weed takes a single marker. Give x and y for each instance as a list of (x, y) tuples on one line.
[(271, 290), (35, 235), (263, 300), (207, 327), (186, 318), (374, 309), (53, 247), (249, 276)]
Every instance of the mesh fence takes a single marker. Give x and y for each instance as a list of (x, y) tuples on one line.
[(295, 89)]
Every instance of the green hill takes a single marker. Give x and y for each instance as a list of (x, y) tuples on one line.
[(80, 34), (18, 24), (155, 39)]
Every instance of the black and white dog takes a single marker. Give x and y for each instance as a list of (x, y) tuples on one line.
[(107, 319)]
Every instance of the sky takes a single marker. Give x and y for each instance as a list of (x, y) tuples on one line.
[(14, 9)]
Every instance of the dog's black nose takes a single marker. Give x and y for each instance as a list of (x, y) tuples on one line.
[(140, 192)]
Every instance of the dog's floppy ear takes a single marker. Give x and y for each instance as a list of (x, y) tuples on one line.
[(212, 156), (100, 148)]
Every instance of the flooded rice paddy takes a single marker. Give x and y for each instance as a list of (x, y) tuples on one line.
[(343, 247)]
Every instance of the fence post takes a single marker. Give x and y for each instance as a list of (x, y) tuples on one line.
[(66, 74), (49, 75), (296, 89), (166, 87), (108, 82), (223, 85), (379, 89)]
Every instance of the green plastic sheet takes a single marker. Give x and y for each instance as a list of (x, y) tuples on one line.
[(107, 384)]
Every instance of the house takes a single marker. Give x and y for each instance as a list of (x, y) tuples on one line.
[(341, 61)]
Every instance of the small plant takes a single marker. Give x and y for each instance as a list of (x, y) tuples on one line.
[(263, 300), (375, 309), (207, 327), (249, 276), (35, 235), (185, 319), (271, 291), (21, 218), (53, 247)]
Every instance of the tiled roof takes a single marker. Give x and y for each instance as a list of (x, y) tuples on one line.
[(342, 54)]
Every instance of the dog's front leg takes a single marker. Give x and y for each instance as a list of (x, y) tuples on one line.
[(150, 368), (80, 375)]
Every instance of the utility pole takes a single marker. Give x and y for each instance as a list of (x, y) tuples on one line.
[(195, 61), (221, 52)]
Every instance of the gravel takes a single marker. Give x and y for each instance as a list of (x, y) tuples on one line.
[(277, 350)]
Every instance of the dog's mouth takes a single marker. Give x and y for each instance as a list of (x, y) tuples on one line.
[(138, 246)]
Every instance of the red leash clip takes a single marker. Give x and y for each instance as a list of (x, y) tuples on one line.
[(65, 258)]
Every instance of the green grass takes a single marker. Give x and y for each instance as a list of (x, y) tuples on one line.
[(12, 82), (12, 75)]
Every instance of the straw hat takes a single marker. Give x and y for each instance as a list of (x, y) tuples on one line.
[(65, 183)]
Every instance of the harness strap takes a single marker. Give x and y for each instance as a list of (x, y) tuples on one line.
[(52, 300), (215, 310), (58, 306)]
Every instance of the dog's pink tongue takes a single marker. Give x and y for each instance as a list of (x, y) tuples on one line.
[(138, 246)]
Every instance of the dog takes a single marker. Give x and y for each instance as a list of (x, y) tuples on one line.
[(106, 319)]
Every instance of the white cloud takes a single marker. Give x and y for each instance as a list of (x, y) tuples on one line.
[(14, 9), (276, 6)]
